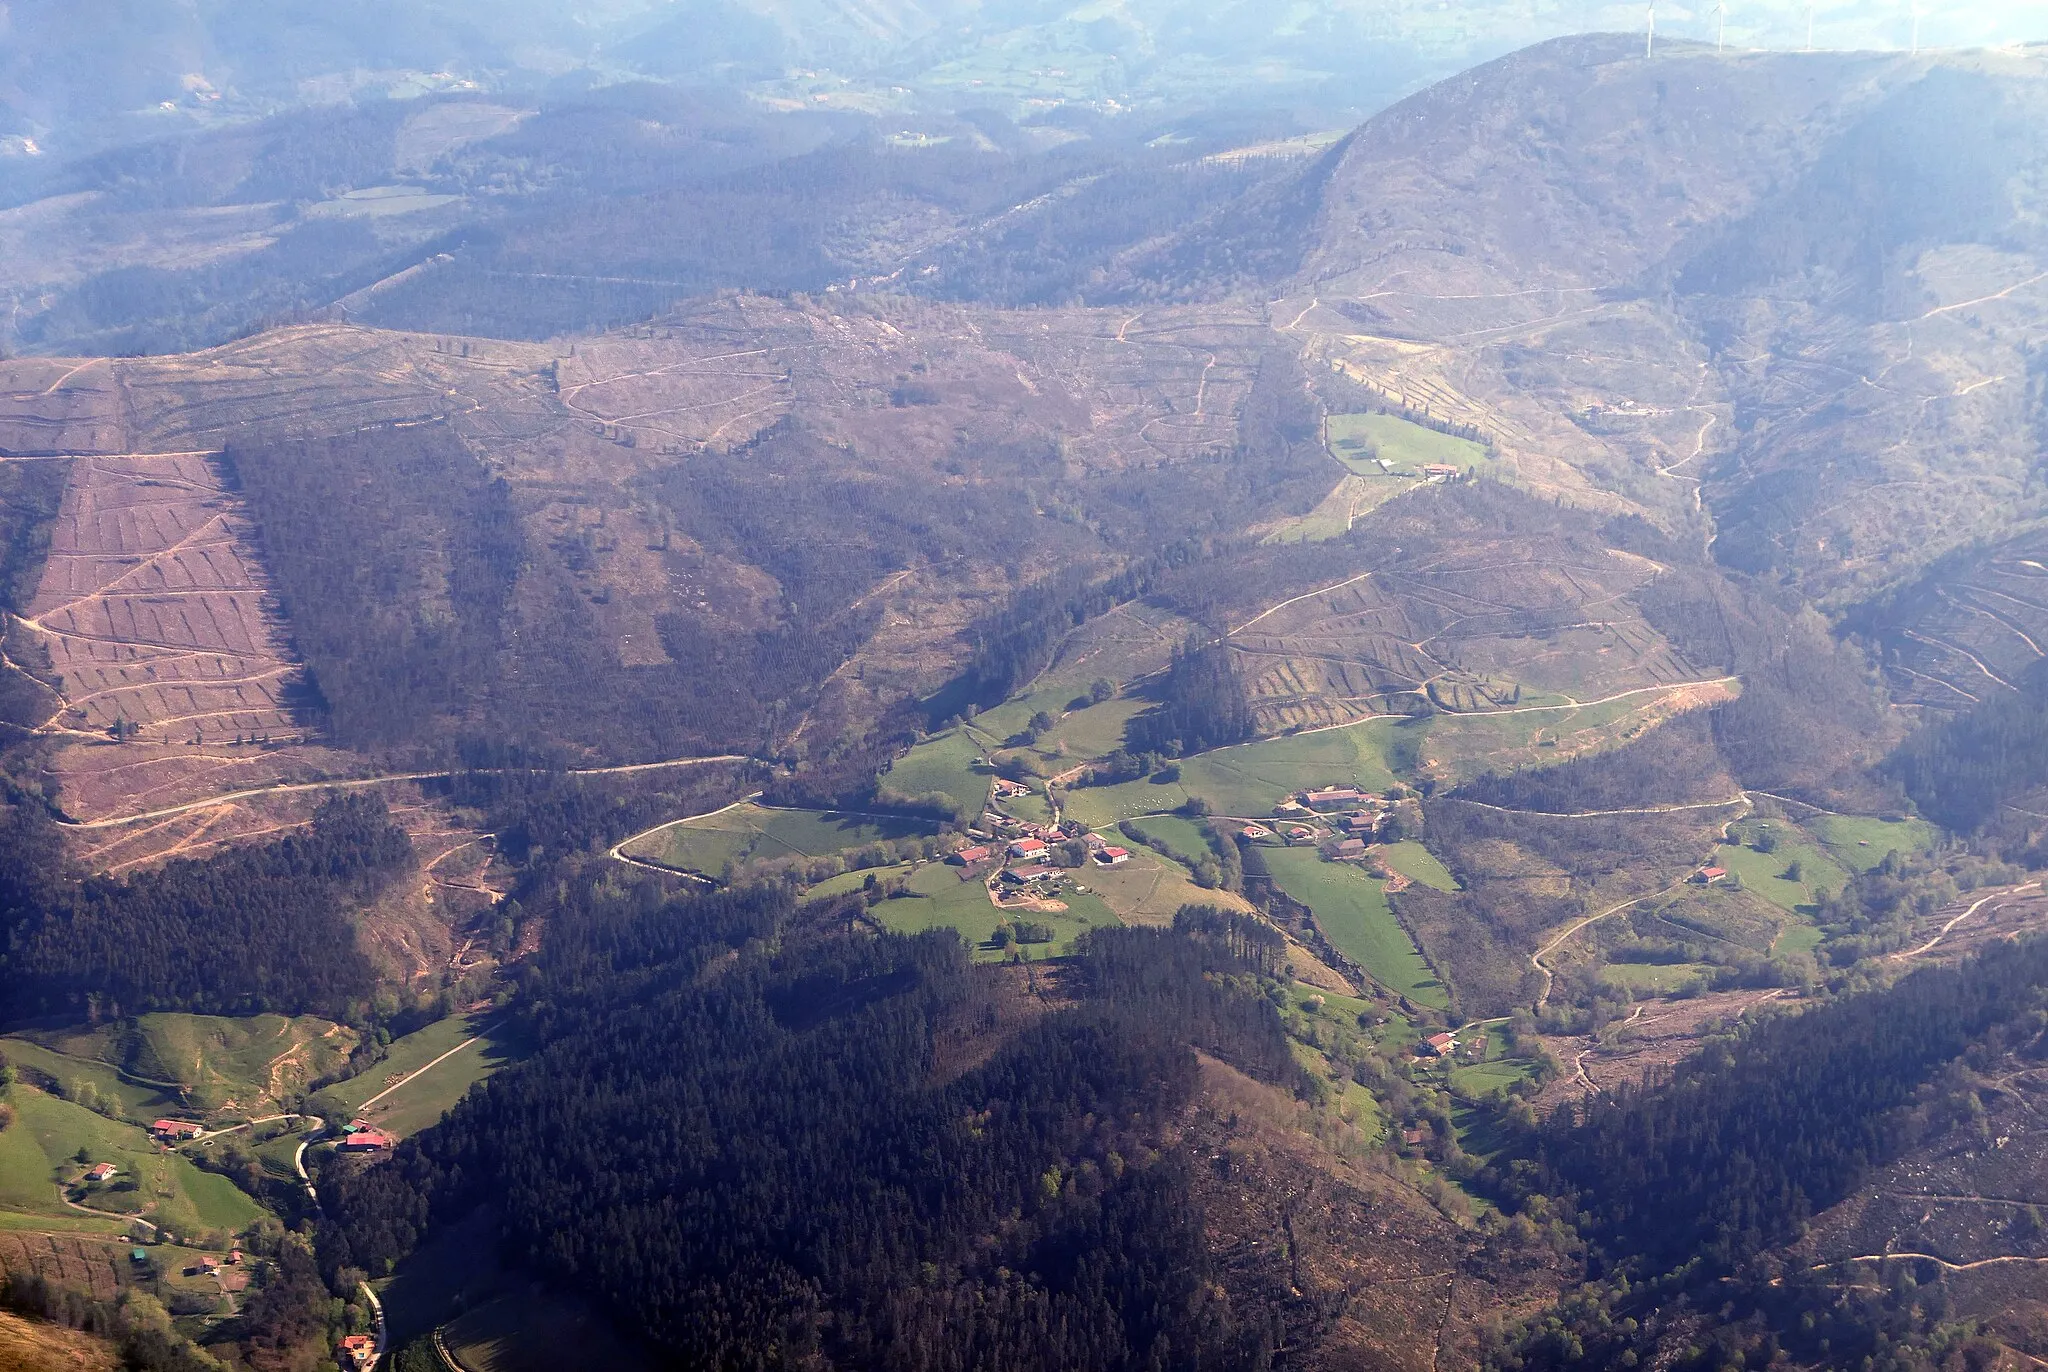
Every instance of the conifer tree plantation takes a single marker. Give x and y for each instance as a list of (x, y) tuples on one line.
[(947, 688)]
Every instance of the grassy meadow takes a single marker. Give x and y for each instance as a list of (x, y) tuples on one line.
[(1352, 910), (750, 833)]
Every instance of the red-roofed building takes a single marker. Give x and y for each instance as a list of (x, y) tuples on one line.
[(1027, 847), (1113, 856), (1439, 1045), (101, 1172), (176, 1129), (968, 856), (359, 1351), (1332, 796), (1707, 876), (365, 1141)]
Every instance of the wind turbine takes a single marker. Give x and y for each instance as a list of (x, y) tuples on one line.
[(1721, 29), (1916, 27), (1809, 25), (1650, 37)]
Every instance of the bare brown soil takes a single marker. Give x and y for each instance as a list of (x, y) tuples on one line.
[(1300, 1225), (1658, 1035), (34, 1346), (99, 1267), (1455, 625)]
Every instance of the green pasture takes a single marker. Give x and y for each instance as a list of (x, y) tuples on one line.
[(209, 1062), (748, 832), (949, 763), (940, 899), (1149, 889), (1357, 439), (136, 1101), (413, 1052), (1417, 863), (1184, 840), (42, 1146), (1764, 873), (1654, 977), (1251, 778), (1860, 842), (1352, 909), (1101, 807), (421, 1101)]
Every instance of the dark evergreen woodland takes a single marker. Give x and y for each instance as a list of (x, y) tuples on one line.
[(260, 928), (734, 1139)]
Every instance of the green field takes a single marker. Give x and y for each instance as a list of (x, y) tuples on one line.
[(420, 1101), (1250, 779), (1352, 909), (1149, 889), (1764, 873), (136, 1101), (1417, 863), (43, 1143), (215, 1062), (949, 763), (1476, 1080), (1100, 807), (1357, 439), (1861, 843), (1654, 976), (1184, 840), (748, 832), (941, 900)]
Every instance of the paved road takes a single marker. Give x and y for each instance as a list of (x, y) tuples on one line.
[(383, 1339)]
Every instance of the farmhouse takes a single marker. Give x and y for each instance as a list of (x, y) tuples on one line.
[(1707, 876), (365, 1141), (1332, 797), (1256, 831), (101, 1172), (967, 856), (1362, 824), (1440, 471), (1020, 876), (1005, 789), (1412, 1137), (359, 1351), (1096, 842), (1113, 856), (1027, 847), (1351, 848), (172, 1130), (1438, 1046)]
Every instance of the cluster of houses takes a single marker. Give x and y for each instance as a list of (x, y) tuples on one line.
[(1353, 818), (1015, 857)]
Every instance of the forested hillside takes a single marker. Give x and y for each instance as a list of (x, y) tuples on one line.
[(741, 1147), (260, 928)]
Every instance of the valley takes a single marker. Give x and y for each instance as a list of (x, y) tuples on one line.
[(1294, 769)]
